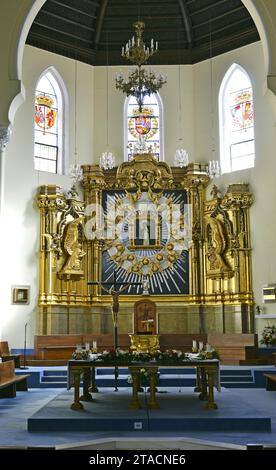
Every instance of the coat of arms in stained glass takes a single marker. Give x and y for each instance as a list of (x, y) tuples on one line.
[(146, 124)]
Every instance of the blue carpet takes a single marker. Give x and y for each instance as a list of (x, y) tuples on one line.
[(231, 377), (179, 411)]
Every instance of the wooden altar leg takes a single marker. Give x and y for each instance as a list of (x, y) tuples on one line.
[(198, 387), (135, 404), (203, 381), (93, 387), (86, 396), (76, 377), (140, 388), (152, 403), (211, 405)]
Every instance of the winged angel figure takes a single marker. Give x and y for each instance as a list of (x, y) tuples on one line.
[(72, 246), (216, 244)]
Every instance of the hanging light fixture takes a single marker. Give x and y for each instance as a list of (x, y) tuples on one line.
[(140, 83), (107, 159), (75, 171), (213, 169), (213, 164), (181, 157)]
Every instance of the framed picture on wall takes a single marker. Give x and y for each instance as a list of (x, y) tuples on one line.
[(21, 295)]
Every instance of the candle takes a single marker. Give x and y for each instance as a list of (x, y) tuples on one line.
[(200, 345), (87, 346), (194, 344), (94, 344), (208, 347), (79, 347)]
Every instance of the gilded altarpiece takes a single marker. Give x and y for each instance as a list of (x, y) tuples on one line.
[(200, 280)]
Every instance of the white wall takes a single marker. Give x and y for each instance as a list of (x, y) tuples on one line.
[(20, 215), (170, 96), (262, 177), (199, 132)]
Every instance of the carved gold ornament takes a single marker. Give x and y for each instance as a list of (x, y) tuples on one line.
[(73, 248)]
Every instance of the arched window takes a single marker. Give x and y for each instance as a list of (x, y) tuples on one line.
[(237, 145), (49, 145), (147, 125)]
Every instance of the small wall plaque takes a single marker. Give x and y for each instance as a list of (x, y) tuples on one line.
[(269, 293), (21, 295)]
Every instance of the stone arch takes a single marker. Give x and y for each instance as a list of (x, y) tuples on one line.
[(14, 27), (264, 15)]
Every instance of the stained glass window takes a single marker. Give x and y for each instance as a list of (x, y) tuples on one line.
[(236, 121), (48, 125), (143, 126)]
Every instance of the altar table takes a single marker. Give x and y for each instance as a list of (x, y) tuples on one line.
[(207, 374)]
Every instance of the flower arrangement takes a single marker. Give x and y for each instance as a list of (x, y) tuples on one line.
[(269, 335), (212, 354), (81, 354), (170, 355)]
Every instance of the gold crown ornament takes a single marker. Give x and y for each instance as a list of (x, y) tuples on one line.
[(44, 100)]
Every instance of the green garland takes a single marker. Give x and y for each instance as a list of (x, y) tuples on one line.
[(122, 356)]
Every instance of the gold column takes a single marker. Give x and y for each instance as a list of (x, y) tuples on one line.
[(196, 182), (50, 201), (93, 184), (62, 277)]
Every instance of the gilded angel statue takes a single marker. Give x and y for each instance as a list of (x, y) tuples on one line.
[(72, 246), (216, 244)]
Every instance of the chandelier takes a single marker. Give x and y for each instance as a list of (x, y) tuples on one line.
[(140, 83), (107, 161), (75, 173), (213, 169), (181, 158)]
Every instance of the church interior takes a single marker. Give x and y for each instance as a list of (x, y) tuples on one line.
[(138, 255)]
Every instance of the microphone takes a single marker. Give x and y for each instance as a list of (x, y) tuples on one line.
[(24, 353)]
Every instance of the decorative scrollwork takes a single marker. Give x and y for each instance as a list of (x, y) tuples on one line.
[(144, 172)]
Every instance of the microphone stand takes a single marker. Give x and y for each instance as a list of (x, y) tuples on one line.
[(24, 354)]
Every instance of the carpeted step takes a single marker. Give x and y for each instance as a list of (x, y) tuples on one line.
[(54, 378), (234, 378), (55, 372), (238, 384), (53, 385), (169, 377), (235, 372)]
